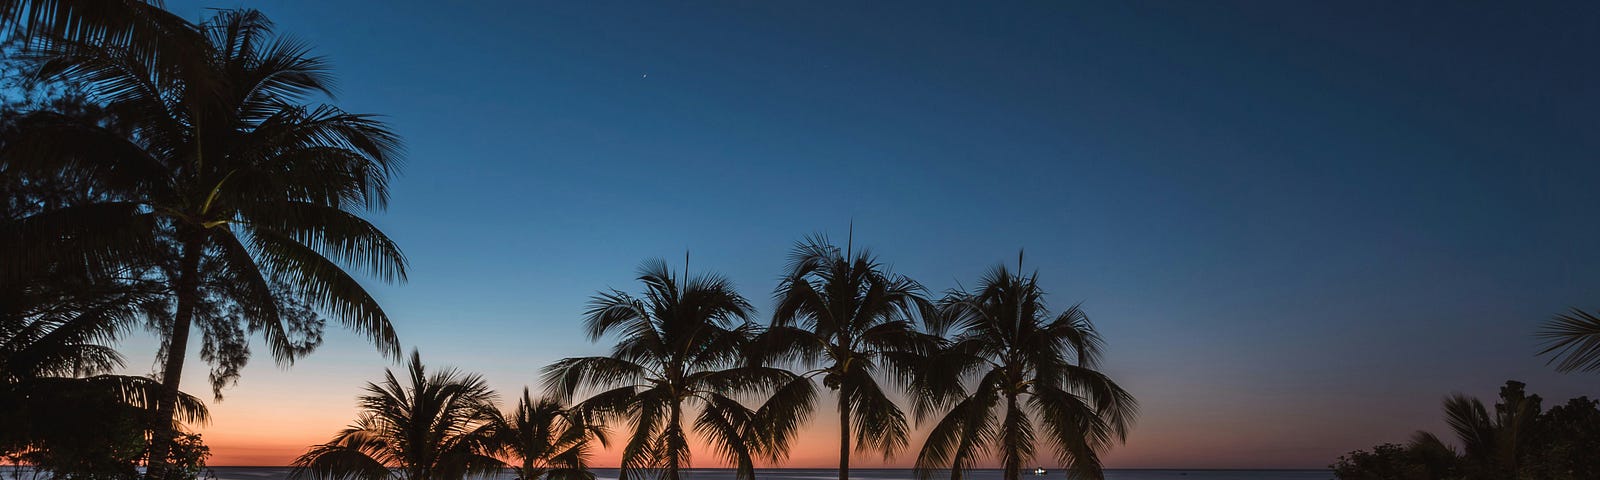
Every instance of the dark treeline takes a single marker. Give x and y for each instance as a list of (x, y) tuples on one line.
[(1515, 439)]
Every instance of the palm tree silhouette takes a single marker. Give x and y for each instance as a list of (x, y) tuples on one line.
[(683, 345), (217, 167), (548, 440), (841, 309), (1033, 372), (429, 428)]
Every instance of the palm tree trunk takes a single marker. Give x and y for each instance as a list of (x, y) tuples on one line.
[(1013, 460), (844, 435), (188, 293), (674, 456)]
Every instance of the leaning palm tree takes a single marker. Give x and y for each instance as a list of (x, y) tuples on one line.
[(683, 348), (1011, 370), (428, 428), (545, 439), (1573, 341), (242, 195), (842, 310)]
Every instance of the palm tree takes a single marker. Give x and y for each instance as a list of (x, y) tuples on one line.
[(1033, 371), (683, 345), (430, 428), (846, 312), (548, 440), (244, 197), (1574, 341)]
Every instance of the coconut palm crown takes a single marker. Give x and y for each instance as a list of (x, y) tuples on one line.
[(842, 313), (683, 347), (427, 427), (545, 439), (1015, 378)]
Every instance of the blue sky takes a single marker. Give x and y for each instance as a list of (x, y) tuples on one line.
[(1298, 224)]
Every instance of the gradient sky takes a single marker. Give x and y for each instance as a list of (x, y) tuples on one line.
[(1298, 224)]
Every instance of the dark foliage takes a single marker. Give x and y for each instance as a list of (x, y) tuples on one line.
[(1015, 377), (60, 408), (429, 426), (1516, 440), (214, 172), (681, 365), (851, 320)]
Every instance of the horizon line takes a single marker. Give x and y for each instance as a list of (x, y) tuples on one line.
[(1208, 469)]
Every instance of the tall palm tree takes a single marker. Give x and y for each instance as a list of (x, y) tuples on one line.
[(1030, 373), (216, 166), (683, 346), (428, 428), (1573, 340), (842, 310), (546, 439)]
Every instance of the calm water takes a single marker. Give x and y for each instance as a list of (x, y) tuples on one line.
[(260, 473)]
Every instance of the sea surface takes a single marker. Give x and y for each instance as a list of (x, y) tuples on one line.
[(280, 473)]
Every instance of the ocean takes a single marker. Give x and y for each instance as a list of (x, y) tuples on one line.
[(280, 473)]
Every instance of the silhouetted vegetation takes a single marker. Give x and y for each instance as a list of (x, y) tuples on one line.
[(429, 427), (214, 178), (185, 178), (444, 426), (1011, 369), (685, 343), (546, 439), (1516, 440), (62, 409), (841, 310)]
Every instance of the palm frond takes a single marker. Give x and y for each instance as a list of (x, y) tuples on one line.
[(1572, 341), (565, 377), (776, 422), (322, 283), (726, 425), (1471, 423)]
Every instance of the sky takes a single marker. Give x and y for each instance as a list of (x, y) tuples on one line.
[(1298, 225)]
